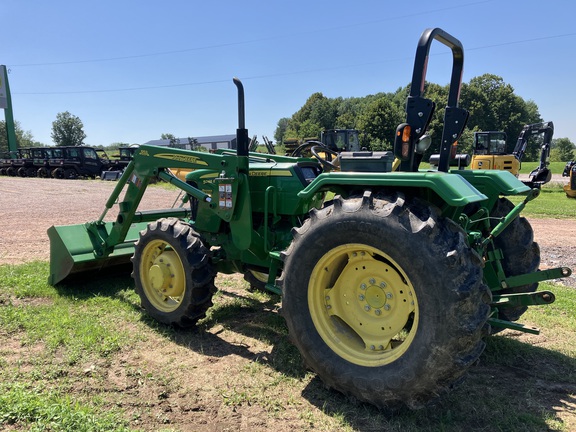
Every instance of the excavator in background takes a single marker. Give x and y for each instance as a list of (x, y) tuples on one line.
[(490, 152)]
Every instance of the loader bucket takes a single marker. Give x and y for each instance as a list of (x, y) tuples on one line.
[(73, 250)]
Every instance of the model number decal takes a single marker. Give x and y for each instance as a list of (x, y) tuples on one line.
[(182, 158)]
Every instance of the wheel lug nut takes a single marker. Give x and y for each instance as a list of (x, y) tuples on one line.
[(363, 286), (382, 284), (372, 281), (361, 297), (328, 307), (372, 347), (327, 297), (387, 307), (389, 295), (377, 311), (367, 308)]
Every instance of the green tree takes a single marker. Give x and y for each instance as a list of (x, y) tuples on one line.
[(318, 113), (281, 128), (494, 106), (379, 120), (23, 138), (174, 142), (563, 150), (67, 130), (117, 145)]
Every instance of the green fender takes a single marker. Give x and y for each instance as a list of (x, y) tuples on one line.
[(451, 188)]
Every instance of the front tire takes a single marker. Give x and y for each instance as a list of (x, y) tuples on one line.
[(384, 299), (172, 273)]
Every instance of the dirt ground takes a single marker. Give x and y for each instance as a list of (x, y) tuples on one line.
[(28, 207)]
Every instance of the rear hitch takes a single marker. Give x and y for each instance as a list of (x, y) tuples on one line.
[(494, 322), (539, 276), (524, 299), (509, 218)]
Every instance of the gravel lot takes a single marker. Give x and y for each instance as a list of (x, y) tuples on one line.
[(29, 206)]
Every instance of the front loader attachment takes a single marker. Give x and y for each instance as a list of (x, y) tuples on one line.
[(74, 249), (98, 245)]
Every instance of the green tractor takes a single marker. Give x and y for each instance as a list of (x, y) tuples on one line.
[(390, 276)]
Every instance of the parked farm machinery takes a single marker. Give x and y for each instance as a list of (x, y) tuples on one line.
[(65, 162)]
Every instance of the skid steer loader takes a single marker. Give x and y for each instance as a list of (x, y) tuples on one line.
[(390, 278)]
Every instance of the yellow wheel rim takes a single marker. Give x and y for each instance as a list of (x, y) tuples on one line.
[(162, 276), (363, 305), (261, 277)]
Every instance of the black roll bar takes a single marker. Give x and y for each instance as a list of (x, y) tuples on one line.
[(419, 110)]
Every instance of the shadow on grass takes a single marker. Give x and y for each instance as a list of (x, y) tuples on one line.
[(242, 313), (108, 282), (515, 387), (252, 315)]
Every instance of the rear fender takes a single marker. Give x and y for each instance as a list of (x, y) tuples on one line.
[(453, 189)]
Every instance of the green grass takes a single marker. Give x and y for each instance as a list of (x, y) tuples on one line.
[(551, 203), (57, 344), (55, 330), (50, 337), (72, 319), (43, 410), (554, 167)]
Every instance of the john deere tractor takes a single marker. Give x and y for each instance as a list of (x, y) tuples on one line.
[(390, 276)]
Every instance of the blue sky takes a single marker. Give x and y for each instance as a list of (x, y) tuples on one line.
[(132, 70)]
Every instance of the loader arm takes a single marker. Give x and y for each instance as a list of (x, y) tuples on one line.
[(151, 161), (98, 244)]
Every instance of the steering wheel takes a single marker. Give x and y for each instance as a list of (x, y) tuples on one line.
[(325, 162), (302, 147)]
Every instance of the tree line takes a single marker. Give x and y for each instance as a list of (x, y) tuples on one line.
[(67, 130), (492, 104)]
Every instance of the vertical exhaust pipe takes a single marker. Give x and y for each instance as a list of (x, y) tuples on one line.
[(242, 140)]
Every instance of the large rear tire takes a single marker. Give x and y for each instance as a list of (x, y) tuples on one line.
[(384, 299), (521, 255), (172, 273)]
